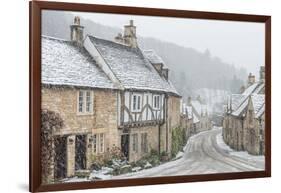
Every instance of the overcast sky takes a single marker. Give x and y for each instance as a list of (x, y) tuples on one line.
[(238, 43)]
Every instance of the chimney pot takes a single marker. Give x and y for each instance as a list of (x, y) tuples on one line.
[(76, 32)]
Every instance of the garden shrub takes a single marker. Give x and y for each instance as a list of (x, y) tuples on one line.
[(178, 140)]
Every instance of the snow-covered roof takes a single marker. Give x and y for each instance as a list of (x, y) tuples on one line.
[(239, 102), (187, 110), (195, 118), (258, 103), (236, 100), (65, 64), (153, 57), (198, 108), (131, 67)]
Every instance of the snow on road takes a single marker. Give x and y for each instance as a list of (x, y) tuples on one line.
[(204, 153)]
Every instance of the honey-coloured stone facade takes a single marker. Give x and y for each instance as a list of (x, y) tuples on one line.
[(103, 121)]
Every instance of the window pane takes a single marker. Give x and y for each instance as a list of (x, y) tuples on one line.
[(134, 102), (95, 143), (139, 107), (101, 143), (88, 101), (80, 101)]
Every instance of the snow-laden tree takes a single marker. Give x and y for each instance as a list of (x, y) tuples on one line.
[(50, 122)]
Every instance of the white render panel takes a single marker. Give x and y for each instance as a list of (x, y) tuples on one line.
[(126, 117), (127, 100), (146, 114)]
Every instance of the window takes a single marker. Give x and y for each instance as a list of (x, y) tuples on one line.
[(95, 143), (101, 142), (80, 102), (136, 103), (85, 102), (135, 142), (98, 143), (144, 147), (88, 101), (156, 101)]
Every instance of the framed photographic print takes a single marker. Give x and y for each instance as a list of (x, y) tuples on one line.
[(123, 96)]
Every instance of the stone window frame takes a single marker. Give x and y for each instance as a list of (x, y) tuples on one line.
[(95, 143), (85, 102), (98, 143), (136, 106)]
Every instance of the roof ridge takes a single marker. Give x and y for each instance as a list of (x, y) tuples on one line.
[(55, 38), (110, 41)]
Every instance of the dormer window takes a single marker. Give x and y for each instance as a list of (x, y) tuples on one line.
[(85, 102), (136, 103), (156, 101)]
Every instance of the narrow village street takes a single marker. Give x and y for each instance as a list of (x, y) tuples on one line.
[(204, 153)]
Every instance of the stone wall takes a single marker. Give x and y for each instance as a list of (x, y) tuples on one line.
[(233, 132), (254, 135), (102, 120), (244, 134), (187, 124), (152, 138), (173, 119)]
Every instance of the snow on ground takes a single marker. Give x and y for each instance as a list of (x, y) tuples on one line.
[(258, 159), (204, 153)]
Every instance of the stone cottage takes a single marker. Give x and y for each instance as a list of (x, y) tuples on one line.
[(243, 124), (200, 113), (109, 94), (187, 120)]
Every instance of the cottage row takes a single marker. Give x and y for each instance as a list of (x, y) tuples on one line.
[(109, 94), (195, 117), (243, 124)]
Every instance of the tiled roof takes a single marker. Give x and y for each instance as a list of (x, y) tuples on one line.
[(198, 108), (65, 64), (153, 57), (131, 67), (239, 102), (258, 103), (187, 110)]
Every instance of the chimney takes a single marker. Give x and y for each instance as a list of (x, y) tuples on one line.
[(242, 89), (251, 79), (189, 101), (76, 32), (262, 74), (119, 38), (130, 37), (199, 99)]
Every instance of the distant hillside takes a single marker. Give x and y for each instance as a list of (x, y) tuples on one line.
[(189, 69)]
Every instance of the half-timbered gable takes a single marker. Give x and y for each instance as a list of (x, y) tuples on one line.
[(144, 87)]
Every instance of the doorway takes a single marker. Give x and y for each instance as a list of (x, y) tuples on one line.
[(125, 142), (60, 158), (80, 152)]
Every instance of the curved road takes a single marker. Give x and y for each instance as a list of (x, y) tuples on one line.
[(204, 153)]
